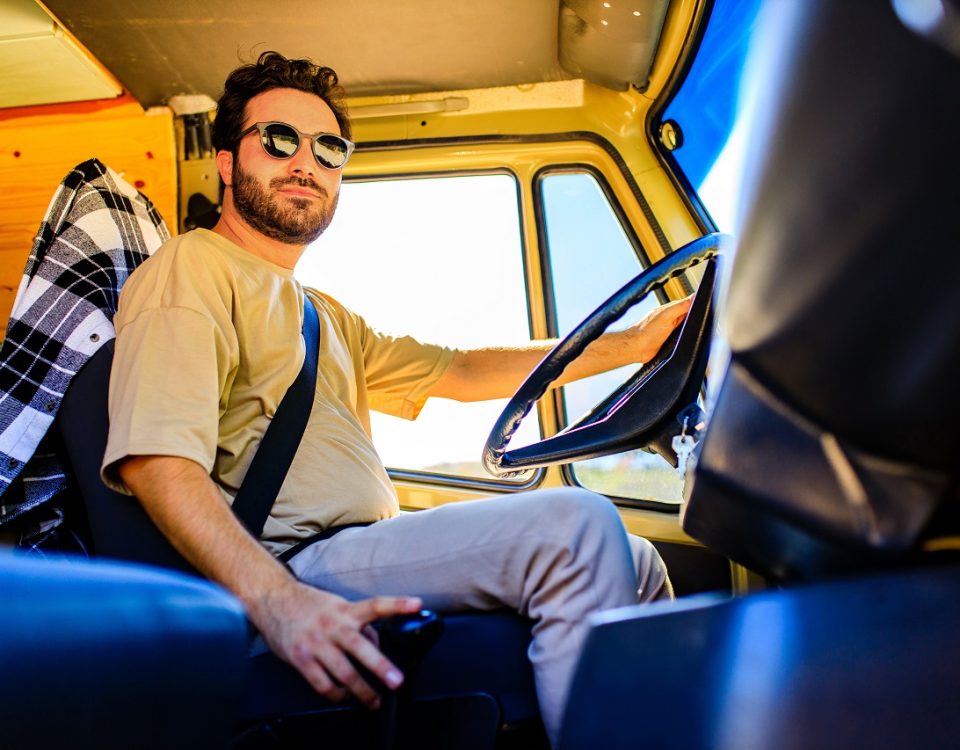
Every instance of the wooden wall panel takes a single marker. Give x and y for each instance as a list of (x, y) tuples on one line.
[(39, 145)]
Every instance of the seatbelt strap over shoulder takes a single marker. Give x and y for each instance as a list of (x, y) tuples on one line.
[(280, 442)]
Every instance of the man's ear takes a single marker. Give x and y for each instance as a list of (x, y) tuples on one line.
[(225, 166)]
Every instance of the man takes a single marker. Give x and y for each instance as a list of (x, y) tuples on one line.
[(208, 339)]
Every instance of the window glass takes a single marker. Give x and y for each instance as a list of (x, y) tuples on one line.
[(440, 259), (708, 107), (590, 258)]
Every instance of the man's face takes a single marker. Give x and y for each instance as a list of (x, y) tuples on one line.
[(291, 200)]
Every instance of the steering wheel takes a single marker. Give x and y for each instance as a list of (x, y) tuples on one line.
[(643, 411)]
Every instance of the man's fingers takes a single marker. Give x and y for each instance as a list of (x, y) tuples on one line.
[(314, 672), (362, 649), (329, 671), (370, 657), (338, 639), (675, 312), (345, 673), (681, 307), (379, 607), (371, 634)]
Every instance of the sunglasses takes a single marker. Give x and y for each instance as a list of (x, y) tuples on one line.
[(282, 141)]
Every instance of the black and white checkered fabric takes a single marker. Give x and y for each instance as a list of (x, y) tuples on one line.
[(97, 229)]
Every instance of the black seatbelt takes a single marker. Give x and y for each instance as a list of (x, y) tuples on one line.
[(279, 444), (320, 536)]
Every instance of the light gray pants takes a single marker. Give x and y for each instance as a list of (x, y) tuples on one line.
[(552, 555)]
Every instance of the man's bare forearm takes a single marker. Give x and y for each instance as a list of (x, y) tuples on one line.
[(481, 374), (187, 507)]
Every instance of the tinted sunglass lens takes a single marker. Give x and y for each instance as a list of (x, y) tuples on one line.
[(280, 141), (330, 151)]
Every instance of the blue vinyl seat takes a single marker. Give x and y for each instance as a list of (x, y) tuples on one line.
[(97, 654)]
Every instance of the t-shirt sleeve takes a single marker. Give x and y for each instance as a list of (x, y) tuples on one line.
[(165, 388), (398, 371)]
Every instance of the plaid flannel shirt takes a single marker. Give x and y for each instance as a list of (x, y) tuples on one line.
[(96, 231)]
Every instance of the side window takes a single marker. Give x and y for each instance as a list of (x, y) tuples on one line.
[(590, 257), (438, 258)]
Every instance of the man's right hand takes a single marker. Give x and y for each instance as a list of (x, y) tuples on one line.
[(317, 631)]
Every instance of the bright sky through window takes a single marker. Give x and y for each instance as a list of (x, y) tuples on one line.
[(440, 259)]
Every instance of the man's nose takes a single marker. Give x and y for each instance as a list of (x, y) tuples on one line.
[(303, 162)]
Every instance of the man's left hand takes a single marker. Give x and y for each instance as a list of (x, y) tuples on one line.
[(650, 333)]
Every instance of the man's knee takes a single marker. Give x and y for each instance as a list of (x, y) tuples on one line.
[(576, 509), (582, 526), (578, 539)]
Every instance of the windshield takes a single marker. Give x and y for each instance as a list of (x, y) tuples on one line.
[(707, 107)]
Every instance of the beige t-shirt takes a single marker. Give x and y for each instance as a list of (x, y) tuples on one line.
[(208, 341)]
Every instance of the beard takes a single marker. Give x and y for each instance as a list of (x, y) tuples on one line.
[(294, 221)]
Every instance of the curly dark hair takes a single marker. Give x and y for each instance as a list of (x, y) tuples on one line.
[(273, 71)]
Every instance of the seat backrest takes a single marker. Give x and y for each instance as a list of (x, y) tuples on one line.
[(98, 228), (119, 525), (833, 444)]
